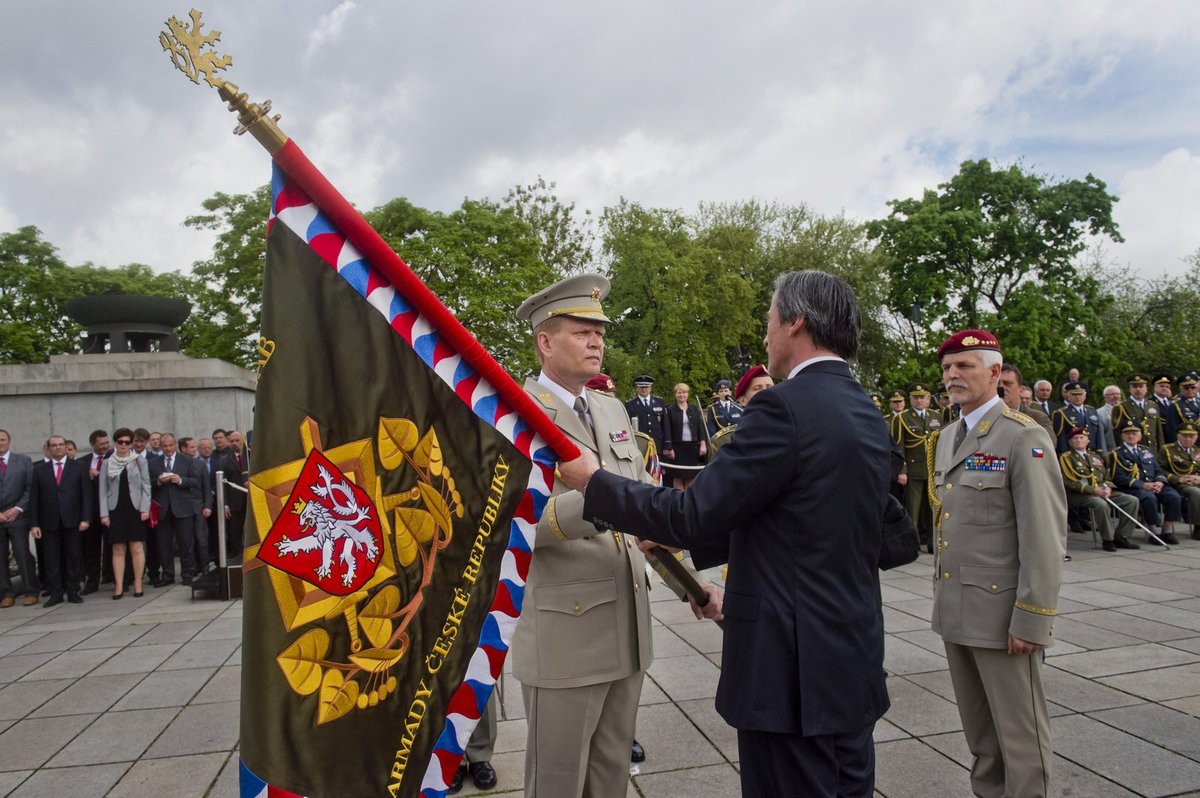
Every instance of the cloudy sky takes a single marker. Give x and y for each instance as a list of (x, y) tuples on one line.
[(840, 105)]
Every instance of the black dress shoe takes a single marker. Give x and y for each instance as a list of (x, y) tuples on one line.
[(76, 599), (483, 775), (1195, 533), (52, 601), (1169, 537), (638, 754), (1109, 545), (1125, 543), (457, 782)]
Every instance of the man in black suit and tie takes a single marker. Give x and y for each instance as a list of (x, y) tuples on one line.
[(60, 502), (239, 474), (171, 479), (796, 508), (92, 540), (650, 413), (15, 470)]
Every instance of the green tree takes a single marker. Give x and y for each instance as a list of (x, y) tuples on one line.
[(481, 260), (565, 240), (1155, 325), (33, 319), (960, 253), (227, 304)]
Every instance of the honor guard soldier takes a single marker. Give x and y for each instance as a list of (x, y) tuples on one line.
[(1074, 414), (1185, 408), (877, 398), (1162, 390), (911, 430), (650, 413), (1001, 538), (1144, 412), (1086, 480), (896, 405), (1181, 461), (724, 412), (583, 643), (1136, 471)]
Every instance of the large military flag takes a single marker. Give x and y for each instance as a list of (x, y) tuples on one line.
[(400, 474)]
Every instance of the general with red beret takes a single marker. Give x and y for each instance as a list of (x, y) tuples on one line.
[(966, 340)]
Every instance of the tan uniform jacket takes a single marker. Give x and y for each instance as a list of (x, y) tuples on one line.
[(586, 617), (1002, 532)]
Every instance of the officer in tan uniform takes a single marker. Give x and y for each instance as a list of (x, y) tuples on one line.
[(1181, 461), (1001, 528), (1143, 411), (583, 642)]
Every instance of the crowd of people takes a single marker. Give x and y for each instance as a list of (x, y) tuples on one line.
[(123, 513)]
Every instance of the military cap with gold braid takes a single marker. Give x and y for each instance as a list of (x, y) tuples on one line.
[(919, 389), (896, 395), (1186, 428), (1138, 378), (578, 297), (1191, 378), (1163, 378)]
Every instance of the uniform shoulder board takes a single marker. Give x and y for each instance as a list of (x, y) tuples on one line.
[(1019, 417)]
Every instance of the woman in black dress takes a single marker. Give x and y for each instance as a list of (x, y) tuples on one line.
[(125, 508), (687, 432)]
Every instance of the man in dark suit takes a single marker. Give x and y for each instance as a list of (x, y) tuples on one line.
[(15, 470), (60, 502), (796, 509), (239, 474), (92, 540), (171, 479), (650, 413), (201, 492)]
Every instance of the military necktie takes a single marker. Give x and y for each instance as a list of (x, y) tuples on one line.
[(581, 410), (960, 435)]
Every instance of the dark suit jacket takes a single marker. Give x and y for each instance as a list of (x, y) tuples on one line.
[(651, 420), (797, 509), (226, 460), (60, 506), (176, 500), (86, 461), (14, 485)]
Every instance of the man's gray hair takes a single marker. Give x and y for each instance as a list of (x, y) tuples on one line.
[(828, 305), (1041, 382)]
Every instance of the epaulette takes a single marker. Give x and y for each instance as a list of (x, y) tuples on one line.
[(1019, 417)]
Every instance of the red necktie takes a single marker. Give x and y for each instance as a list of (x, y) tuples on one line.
[(3, 466), (58, 472)]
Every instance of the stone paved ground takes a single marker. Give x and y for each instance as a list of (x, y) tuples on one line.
[(140, 697)]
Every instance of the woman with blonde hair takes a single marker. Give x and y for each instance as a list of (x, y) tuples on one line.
[(125, 508), (687, 432)]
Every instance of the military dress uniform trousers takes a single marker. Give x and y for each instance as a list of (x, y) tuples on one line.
[(1100, 512), (483, 739), (1191, 497), (916, 504), (1003, 710), (1149, 500), (579, 738)]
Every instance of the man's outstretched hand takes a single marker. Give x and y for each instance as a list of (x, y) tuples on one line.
[(576, 473)]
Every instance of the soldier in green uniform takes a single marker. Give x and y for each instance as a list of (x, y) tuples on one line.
[(1144, 412), (1181, 461), (1001, 537), (911, 430), (1086, 479)]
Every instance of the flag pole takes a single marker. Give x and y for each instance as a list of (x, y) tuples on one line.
[(187, 49)]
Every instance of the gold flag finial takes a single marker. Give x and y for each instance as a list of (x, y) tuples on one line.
[(187, 49)]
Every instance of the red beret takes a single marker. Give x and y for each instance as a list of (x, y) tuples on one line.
[(965, 340), (602, 382), (747, 378), (1077, 431)]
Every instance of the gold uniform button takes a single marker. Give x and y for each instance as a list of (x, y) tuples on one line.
[(604, 464), (993, 587), (946, 516), (946, 575), (577, 608), (949, 486), (979, 484), (637, 588), (945, 544)]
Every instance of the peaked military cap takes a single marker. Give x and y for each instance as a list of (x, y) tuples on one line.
[(896, 395), (1127, 425), (751, 374), (1187, 428), (1138, 378), (1188, 379), (1075, 386), (723, 384), (643, 380), (1163, 378), (919, 389), (966, 340), (577, 297)]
